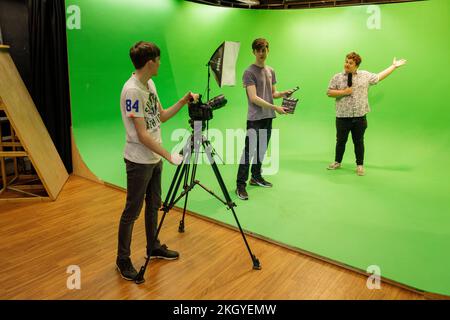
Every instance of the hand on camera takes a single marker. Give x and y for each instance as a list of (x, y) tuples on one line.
[(176, 159), (190, 97)]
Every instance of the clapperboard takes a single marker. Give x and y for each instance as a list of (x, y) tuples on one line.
[(290, 104)]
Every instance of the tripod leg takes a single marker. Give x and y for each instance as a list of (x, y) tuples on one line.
[(190, 186), (186, 178), (174, 194), (209, 150), (172, 184), (175, 179)]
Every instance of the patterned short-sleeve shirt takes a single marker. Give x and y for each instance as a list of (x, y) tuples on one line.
[(357, 104)]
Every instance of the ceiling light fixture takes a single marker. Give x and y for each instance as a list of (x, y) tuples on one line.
[(250, 2)]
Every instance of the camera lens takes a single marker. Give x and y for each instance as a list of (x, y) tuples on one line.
[(217, 102)]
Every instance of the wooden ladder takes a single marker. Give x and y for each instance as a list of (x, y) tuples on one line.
[(25, 185), (28, 141)]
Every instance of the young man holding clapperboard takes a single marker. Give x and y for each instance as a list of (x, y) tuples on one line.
[(259, 81)]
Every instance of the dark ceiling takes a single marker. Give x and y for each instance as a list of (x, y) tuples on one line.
[(294, 4)]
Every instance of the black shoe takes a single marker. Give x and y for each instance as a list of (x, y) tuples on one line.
[(260, 182), (241, 193), (126, 269), (164, 253)]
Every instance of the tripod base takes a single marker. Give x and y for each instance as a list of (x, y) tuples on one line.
[(256, 264), (140, 276), (181, 227)]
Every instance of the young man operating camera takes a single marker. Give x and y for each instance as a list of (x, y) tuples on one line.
[(259, 81), (142, 115)]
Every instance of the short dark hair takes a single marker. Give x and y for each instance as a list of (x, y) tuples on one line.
[(355, 57), (259, 44), (141, 52)]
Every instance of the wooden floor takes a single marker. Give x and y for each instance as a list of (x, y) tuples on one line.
[(38, 241)]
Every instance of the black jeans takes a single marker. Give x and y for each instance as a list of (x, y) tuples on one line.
[(256, 142), (143, 181), (357, 126)]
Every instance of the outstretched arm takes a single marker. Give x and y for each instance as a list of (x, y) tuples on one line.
[(395, 64)]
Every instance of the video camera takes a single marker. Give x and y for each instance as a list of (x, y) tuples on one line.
[(199, 111)]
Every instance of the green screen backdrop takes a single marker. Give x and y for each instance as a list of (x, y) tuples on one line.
[(396, 217)]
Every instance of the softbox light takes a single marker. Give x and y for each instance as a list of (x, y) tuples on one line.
[(223, 63)]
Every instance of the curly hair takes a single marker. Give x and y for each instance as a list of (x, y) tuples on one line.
[(355, 57)]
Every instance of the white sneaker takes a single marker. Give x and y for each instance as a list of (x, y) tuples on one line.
[(334, 166), (360, 170)]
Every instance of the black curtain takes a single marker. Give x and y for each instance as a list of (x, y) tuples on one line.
[(49, 71), (14, 24)]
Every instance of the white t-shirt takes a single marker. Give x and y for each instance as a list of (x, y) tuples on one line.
[(140, 101)]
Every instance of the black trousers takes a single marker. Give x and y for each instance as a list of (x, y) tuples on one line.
[(143, 181), (357, 126), (256, 142)]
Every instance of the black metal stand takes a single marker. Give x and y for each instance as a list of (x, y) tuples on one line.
[(208, 89), (187, 172)]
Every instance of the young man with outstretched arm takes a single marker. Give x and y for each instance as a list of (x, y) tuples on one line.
[(350, 88)]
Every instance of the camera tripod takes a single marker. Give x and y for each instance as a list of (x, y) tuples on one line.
[(187, 170)]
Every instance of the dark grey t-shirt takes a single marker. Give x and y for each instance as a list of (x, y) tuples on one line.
[(262, 79)]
